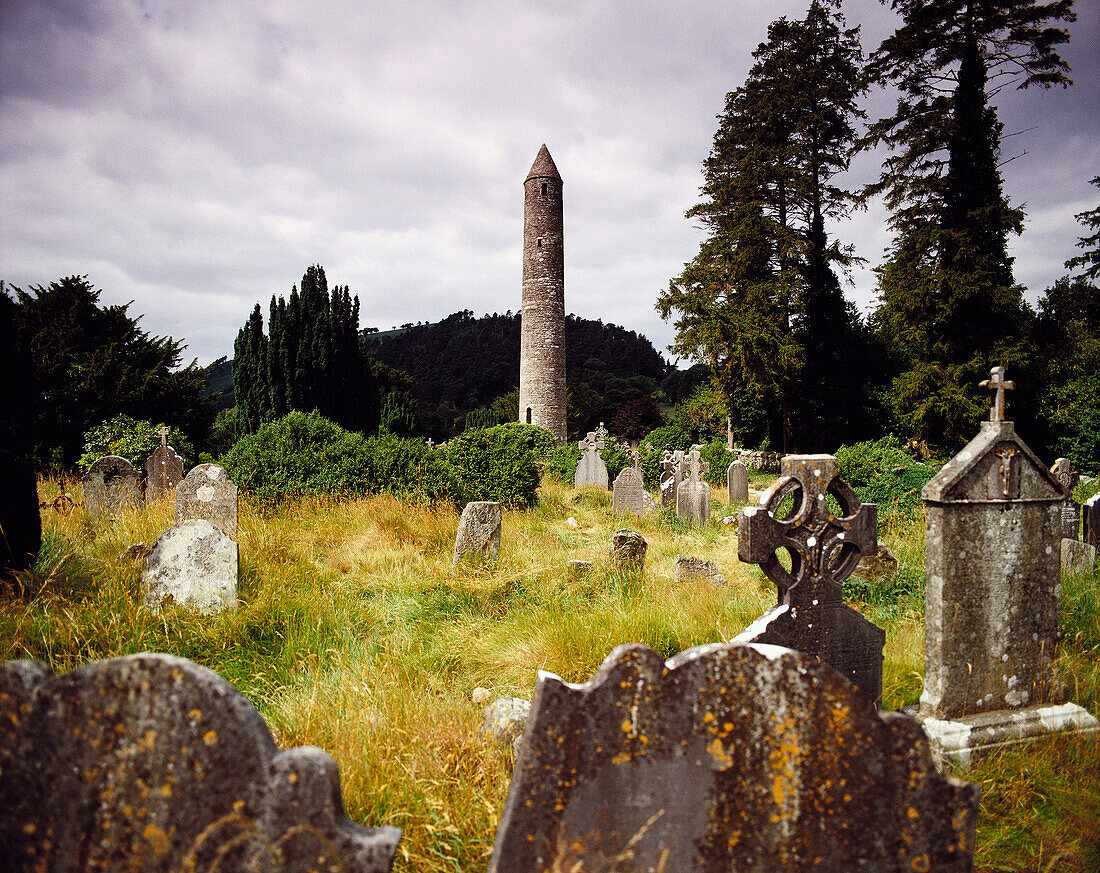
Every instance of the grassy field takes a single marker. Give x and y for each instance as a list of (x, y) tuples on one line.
[(355, 634)]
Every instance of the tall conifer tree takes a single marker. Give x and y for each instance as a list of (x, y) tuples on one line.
[(761, 302), (949, 301)]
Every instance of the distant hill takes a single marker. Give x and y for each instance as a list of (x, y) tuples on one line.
[(219, 383), (464, 363)]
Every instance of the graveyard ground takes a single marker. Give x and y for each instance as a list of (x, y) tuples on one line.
[(357, 635)]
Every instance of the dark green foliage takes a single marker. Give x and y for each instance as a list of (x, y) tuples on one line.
[(880, 472), (561, 463), (950, 302), (484, 417), (1089, 261), (703, 415), (20, 522), (635, 418), (219, 383), (498, 463), (91, 363), (671, 435), (462, 364), (223, 435), (309, 359), (760, 302), (719, 457), (132, 440)]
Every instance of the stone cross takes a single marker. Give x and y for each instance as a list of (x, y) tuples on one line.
[(726, 758), (693, 493), (601, 433), (431, 443), (152, 764), (1071, 511), (591, 469), (671, 472), (697, 469), (163, 436), (997, 382), (823, 549)]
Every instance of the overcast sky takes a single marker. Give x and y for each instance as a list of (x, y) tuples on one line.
[(197, 157)]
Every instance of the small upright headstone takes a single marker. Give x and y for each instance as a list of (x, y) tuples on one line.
[(208, 492), (671, 475), (110, 485), (478, 531), (993, 597), (726, 758), (686, 569), (591, 470), (693, 495), (627, 552), (629, 495), (152, 764), (194, 564), (163, 470), (823, 550), (737, 483), (1071, 511)]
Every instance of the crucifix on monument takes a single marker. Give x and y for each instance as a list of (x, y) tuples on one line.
[(998, 383), (163, 436)]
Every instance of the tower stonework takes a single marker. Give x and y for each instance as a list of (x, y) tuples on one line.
[(542, 323)]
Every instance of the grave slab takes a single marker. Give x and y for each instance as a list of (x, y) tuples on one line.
[(726, 758), (152, 764), (195, 565), (110, 486), (478, 533), (629, 494)]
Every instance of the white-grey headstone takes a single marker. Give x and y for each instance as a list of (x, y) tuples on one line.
[(627, 552), (208, 492), (194, 564), (737, 483), (693, 495), (591, 469)]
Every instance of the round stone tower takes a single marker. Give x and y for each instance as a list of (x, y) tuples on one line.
[(542, 321)]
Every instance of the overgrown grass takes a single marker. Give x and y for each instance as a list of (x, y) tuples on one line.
[(356, 634)]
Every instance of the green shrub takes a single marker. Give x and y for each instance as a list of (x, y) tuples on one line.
[(131, 439), (497, 463), (880, 472), (300, 453), (407, 468), (672, 435), (561, 462), (719, 457)]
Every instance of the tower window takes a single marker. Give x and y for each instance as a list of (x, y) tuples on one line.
[(543, 189), (540, 242), (528, 414)]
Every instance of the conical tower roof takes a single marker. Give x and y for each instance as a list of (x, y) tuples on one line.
[(544, 167)]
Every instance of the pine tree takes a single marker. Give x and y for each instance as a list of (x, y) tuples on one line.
[(948, 296), (1090, 260), (761, 302)]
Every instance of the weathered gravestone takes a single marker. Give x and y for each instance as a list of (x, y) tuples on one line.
[(208, 492), (1071, 510), (693, 494), (629, 494), (153, 764), (591, 470), (671, 475), (110, 485), (737, 483), (627, 551), (823, 549), (686, 569), (993, 595), (195, 565), (478, 531), (749, 758), (1090, 514), (163, 470)]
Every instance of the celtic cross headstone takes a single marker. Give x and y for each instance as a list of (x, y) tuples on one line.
[(671, 475), (693, 495), (1071, 510), (822, 543), (591, 469)]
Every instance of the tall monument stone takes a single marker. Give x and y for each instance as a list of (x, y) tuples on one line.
[(993, 595), (542, 323)]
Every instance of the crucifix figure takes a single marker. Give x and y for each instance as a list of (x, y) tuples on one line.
[(163, 436), (997, 382)]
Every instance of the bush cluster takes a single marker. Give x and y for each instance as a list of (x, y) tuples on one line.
[(881, 472), (306, 453), (131, 439)]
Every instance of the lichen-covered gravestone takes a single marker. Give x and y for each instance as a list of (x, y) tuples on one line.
[(629, 495), (727, 758), (478, 533), (208, 492), (110, 486), (591, 470), (627, 551), (671, 476), (693, 493), (195, 565), (737, 483), (823, 547), (993, 595), (153, 764), (1067, 477), (1090, 514), (163, 470)]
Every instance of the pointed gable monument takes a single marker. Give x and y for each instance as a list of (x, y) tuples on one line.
[(993, 594)]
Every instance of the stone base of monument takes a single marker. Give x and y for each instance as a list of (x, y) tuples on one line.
[(958, 741)]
